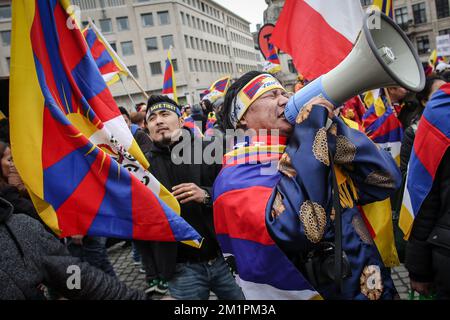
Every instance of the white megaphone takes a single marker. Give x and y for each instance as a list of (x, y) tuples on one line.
[(381, 57)]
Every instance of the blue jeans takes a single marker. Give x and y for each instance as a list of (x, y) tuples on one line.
[(194, 281)]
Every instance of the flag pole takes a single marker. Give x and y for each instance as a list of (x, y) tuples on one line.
[(128, 93), (116, 57)]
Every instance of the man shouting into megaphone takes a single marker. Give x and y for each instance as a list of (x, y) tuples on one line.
[(296, 232)]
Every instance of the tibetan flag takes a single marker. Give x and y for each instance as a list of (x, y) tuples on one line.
[(383, 127), (272, 65), (169, 85), (378, 219), (191, 124), (66, 151), (354, 109), (385, 6), (101, 51), (248, 177), (210, 122), (433, 61), (431, 142), (218, 89), (317, 34)]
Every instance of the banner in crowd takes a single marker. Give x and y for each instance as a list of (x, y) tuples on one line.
[(218, 89), (169, 84), (272, 64), (66, 132)]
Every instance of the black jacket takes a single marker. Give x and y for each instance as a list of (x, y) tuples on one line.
[(199, 216), (143, 140), (20, 203), (428, 248), (406, 148), (30, 256)]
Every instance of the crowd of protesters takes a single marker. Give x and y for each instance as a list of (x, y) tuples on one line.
[(32, 258)]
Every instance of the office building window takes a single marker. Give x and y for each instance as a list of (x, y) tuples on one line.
[(401, 16), (5, 12), (442, 9), (188, 18), (191, 66), (151, 43), (186, 41), (366, 2), (155, 68), (127, 48), (444, 32), (167, 41), (163, 17), (106, 25), (195, 65), (6, 38), (113, 46), (183, 19), (133, 70), (122, 24), (147, 19), (420, 14), (423, 44), (175, 65)]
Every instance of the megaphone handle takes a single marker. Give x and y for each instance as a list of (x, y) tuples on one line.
[(301, 97)]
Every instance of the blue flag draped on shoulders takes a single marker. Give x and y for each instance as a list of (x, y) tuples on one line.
[(241, 192), (70, 143), (275, 201), (430, 144)]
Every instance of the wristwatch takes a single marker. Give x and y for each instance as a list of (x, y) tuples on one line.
[(207, 199)]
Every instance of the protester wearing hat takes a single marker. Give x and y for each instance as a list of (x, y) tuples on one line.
[(191, 272), (288, 225)]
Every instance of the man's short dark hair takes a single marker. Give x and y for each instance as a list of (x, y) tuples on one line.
[(124, 111)]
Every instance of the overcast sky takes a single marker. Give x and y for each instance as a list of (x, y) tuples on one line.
[(251, 10)]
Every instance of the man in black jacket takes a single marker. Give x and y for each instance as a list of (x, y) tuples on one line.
[(428, 247), (192, 272), (31, 257)]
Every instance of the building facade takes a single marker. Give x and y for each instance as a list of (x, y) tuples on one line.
[(5, 37), (208, 41), (422, 21)]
